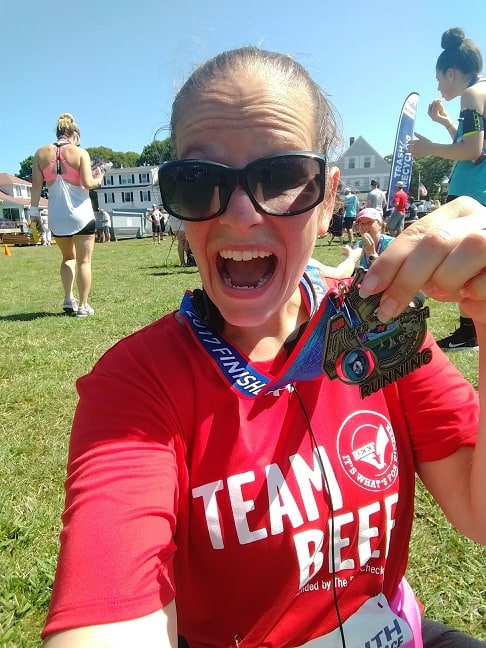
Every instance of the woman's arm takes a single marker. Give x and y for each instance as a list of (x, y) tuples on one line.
[(87, 179), (471, 145), (37, 182), (156, 630), (444, 254)]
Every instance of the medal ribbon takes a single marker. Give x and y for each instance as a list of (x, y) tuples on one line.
[(304, 362)]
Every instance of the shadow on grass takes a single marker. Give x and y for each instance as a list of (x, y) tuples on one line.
[(29, 317), (165, 273)]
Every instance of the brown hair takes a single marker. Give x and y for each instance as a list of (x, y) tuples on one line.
[(66, 126), (460, 53), (267, 64)]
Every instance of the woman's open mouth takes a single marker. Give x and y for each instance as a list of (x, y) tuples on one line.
[(246, 269)]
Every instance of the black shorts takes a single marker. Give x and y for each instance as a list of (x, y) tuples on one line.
[(156, 229), (348, 222), (88, 229)]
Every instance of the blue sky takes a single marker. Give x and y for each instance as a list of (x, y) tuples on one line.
[(115, 64)]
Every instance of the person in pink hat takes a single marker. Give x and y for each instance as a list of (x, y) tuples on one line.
[(373, 240)]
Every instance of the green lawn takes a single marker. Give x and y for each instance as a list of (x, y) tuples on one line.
[(42, 354)]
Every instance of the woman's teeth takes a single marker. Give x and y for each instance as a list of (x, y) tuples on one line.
[(244, 255)]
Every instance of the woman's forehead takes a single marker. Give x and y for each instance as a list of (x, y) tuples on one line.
[(242, 106)]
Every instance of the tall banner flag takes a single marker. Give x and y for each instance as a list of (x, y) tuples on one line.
[(401, 168)]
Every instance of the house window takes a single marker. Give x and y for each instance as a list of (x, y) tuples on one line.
[(17, 191), (145, 196), (367, 163), (351, 163), (108, 181), (126, 179), (11, 213), (109, 198), (143, 177), (127, 196)]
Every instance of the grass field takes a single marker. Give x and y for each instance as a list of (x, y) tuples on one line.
[(42, 354)]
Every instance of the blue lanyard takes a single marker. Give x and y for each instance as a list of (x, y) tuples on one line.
[(304, 362)]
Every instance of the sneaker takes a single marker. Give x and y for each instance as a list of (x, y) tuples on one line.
[(458, 341), (70, 306), (85, 311)]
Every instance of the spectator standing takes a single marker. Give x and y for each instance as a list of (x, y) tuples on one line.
[(350, 210), (212, 494), (376, 198), (99, 225), (105, 226), (176, 228), (154, 215), (396, 221), (44, 223), (411, 213), (66, 169), (458, 72), (336, 226)]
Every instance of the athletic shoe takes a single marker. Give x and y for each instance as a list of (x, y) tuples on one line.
[(85, 311), (459, 341), (70, 306)]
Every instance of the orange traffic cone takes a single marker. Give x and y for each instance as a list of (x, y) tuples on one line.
[(6, 250)]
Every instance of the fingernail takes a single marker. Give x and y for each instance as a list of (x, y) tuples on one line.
[(388, 309), (368, 285)]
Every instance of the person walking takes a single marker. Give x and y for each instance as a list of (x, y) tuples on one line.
[(66, 169), (458, 72)]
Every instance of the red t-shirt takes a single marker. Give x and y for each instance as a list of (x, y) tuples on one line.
[(179, 487), (400, 201)]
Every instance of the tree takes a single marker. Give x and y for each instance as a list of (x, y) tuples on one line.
[(432, 170), (25, 171), (118, 158), (157, 152)]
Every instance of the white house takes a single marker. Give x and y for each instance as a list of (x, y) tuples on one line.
[(129, 189), (15, 197), (361, 163)]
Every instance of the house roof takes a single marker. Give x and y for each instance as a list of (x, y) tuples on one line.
[(7, 179), (24, 202)]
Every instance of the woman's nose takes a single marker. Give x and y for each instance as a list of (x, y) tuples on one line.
[(240, 211)]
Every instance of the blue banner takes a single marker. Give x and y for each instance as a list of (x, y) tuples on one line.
[(401, 168)]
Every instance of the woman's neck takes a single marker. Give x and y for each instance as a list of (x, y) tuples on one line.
[(266, 341)]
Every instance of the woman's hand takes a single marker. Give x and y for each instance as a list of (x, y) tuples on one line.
[(437, 112), (443, 254), (368, 244), (420, 146)]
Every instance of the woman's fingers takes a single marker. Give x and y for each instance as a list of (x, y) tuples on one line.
[(442, 254)]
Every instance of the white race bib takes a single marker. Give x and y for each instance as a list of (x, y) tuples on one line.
[(374, 625)]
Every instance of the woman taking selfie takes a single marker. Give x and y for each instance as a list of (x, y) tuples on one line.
[(222, 490)]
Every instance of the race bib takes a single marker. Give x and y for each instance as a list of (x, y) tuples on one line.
[(373, 625)]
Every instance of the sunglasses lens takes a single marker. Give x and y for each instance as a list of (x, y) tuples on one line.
[(280, 185), (191, 190), (286, 185)]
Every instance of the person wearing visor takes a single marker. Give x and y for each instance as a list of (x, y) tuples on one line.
[(222, 489), (373, 241)]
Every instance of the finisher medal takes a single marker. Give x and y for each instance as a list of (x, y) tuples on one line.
[(361, 350)]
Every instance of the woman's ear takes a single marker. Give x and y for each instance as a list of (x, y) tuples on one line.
[(327, 206)]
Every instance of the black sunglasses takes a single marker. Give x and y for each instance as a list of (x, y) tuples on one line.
[(278, 185)]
